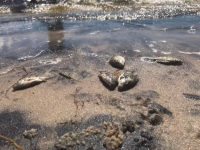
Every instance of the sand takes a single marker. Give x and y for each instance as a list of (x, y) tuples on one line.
[(52, 102)]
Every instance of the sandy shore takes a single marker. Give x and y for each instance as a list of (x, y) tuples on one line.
[(52, 102)]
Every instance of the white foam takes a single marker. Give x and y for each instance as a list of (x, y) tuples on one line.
[(50, 61), (189, 53), (137, 50), (151, 45), (147, 59), (95, 32), (29, 57), (154, 50), (166, 53)]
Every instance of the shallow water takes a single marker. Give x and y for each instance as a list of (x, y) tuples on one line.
[(25, 37), (81, 46)]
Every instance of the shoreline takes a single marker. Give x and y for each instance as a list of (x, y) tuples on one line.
[(52, 102)]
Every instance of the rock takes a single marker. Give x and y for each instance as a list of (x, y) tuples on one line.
[(128, 126), (139, 140), (30, 134), (157, 108), (108, 79), (127, 80), (155, 119), (117, 62), (113, 136)]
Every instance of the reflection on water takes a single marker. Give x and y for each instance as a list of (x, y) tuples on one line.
[(56, 35), (29, 37)]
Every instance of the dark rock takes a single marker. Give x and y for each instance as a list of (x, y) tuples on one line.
[(157, 108), (138, 140), (195, 112), (155, 119), (146, 135), (192, 96), (128, 126)]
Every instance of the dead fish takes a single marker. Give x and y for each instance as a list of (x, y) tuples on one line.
[(109, 79), (117, 62), (164, 60), (29, 82), (192, 96), (127, 80)]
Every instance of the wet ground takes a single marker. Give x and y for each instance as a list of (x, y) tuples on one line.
[(70, 114)]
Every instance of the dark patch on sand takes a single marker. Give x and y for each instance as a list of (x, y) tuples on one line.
[(14, 123)]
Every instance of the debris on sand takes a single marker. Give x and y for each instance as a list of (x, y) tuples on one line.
[(29, 82), (68, 76), (30, 134), (12, 142), (192, 96), (163, 60)]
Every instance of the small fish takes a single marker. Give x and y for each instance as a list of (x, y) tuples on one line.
[(117, 62), (29, 82), (127, 80), (109, 79), (164, 60), (192, 96)]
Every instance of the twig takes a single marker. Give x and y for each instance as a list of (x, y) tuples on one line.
[(23, 68), (12, 142), (76, 102), (68, 77)]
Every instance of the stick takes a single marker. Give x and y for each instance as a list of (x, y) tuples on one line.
[(68, 77), (76, 102), (12, 142)]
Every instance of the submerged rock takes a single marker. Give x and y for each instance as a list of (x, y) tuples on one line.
[(117, 62), (127, 80), (109, 79)]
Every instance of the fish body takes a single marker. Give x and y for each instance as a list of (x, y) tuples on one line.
[(109, 79), (164, 60), (117, 62), (28, 82), (127, 80)]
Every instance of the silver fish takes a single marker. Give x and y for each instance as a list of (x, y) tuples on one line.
[(164, 60), (29, 82), (117, 62), (127, 80), (109, 79)]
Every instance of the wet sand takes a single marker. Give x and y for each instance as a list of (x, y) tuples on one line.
[(46, 105)]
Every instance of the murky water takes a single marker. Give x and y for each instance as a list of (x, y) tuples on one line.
[(80, 44), (25, 37)]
